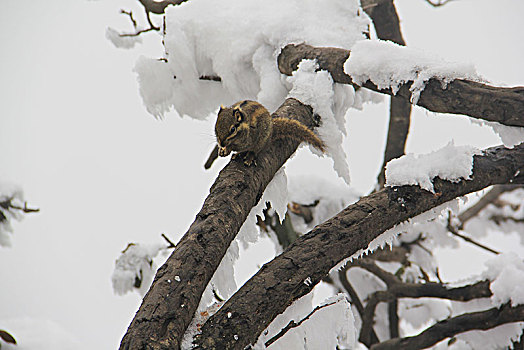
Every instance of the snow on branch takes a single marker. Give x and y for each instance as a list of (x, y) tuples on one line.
[(238, 41), (474, 99), (389, 66), (314, 254), (451, 163)]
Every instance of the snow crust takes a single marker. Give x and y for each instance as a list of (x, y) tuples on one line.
[(390, 65), (316, 88), (239, 41), (327, 328), (451, 163), (122, 42), (136, 261)]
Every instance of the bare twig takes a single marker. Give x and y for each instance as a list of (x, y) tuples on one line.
[(139, 32), (455, 232), (169, 242), (292, 324), (483, 202), (130, 14)]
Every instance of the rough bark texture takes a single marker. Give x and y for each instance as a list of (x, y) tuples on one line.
[(499, 104), (459, 324), (278, 283), (170, 303)]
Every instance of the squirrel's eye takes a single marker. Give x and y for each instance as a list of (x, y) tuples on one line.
[(232, 130)]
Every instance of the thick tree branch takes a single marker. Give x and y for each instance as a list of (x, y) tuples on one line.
[(170, 303), (477, 100), (448, 328), (281, 281)]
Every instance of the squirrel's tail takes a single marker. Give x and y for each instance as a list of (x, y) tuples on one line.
[(285, 127)]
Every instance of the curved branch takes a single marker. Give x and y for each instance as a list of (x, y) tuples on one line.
[(498, 104), (172, 299), (281, 281), (448, 328)]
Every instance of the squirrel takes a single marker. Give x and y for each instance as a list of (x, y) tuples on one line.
[(247, 128)]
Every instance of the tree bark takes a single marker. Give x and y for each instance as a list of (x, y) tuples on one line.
[(444, 329), (278, 283), (477, 100), (171, 302)]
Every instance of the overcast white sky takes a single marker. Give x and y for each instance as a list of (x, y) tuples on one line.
[(75, 136)]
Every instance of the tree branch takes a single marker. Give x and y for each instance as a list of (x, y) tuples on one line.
[(498, 104), (281, 281), (398, 289), (448, 328), (169, 306), (387, 26), (483, 202)]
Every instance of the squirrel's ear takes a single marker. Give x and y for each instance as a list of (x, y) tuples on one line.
[(237, 112), (221, 108)]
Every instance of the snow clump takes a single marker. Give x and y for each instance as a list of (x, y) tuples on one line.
[(389, 65), (451, 163)]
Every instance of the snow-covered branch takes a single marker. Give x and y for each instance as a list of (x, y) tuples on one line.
[(314, 254), (499, 104)]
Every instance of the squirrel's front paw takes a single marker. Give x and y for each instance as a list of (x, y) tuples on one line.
[(250, 159)]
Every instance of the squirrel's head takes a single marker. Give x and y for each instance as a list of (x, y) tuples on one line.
[(230, 128)]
